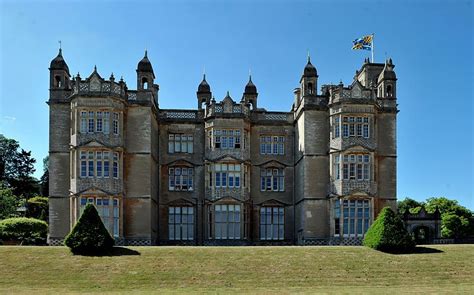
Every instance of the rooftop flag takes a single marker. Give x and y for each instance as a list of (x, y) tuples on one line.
[(364, 43)]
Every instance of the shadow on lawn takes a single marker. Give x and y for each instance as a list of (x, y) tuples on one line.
[(116, 251), (417, 250)]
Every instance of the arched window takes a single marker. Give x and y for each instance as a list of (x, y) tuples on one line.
[(58, 81), (310, 88), (389, 91), (144, 83)]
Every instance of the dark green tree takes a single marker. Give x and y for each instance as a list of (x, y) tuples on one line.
[(89, 236), (388, 234), (8, 203), (17, 168)]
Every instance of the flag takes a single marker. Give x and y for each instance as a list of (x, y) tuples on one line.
[(364, 43)]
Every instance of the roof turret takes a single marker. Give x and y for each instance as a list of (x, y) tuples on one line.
[(58, 63)]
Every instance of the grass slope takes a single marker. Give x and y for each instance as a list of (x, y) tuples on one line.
[(238, 269)]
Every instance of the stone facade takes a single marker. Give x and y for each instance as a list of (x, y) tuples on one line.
[(228, 172)]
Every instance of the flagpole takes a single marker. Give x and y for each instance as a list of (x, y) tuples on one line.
[(373, 37)]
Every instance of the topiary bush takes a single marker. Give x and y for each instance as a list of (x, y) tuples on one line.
[(89, 236), (23, 231), (388, 234)]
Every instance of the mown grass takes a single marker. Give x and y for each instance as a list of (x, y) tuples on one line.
[(238, 270)]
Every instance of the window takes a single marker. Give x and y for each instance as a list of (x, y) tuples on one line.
[(83, 164), (95, 122), (83, 122), (355, 127), (227, 222), (272, 223), (354, 166), (180, 179), (116, 123), (337, 167), (337, 126), (354, 215), (104, 208), (180, 223), (116, 217), (97, 164), (272, 179), (91, 122), (227, 138), (337, 218), (226, 175), (99, 122), (180, 143), (272, 145), (106, 123), (116, 165)]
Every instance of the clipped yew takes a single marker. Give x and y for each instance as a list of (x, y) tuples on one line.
[(388, 234), (89, 236)]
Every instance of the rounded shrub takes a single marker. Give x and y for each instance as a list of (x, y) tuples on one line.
[(89, 236), (23, 231), (388, 234)]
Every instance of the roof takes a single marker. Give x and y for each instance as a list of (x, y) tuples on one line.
[(58, 63)]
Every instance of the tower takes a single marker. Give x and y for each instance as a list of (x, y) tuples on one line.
[(146, 89), (59, 77), (250, 94), (203, 93), (386, 136), (311, 159), (145, 74), (387, 81), (59, 140), (309, 80)]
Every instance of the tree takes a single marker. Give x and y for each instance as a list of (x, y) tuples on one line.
[(456, 221), (388, 234), (44, 180), (89, 236), (17, 168), (8, 203), (409, 204)]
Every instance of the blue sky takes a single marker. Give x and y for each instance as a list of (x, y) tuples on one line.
[(430, 42)]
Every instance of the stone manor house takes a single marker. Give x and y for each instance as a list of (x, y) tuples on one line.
[(228, 172)]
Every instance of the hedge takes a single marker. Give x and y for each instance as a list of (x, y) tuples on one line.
[(24, 231)]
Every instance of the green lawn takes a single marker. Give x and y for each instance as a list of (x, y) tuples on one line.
[(238, 270)]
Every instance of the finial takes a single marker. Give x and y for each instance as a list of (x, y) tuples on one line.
[(250, 74), (95, 68), (309, 57), (121, 79), (228, 95), (112, 76), (146, 53), (60, 49), (78, 76), (204, 73)]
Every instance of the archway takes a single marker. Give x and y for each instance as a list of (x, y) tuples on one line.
[(422, 234)]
